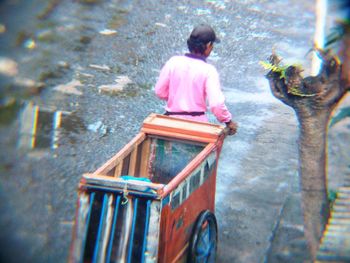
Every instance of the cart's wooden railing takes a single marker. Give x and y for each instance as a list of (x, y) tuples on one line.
[(182, 129), (120, 183)]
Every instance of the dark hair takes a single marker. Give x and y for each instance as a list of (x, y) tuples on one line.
[(200, 36), (195, 46)]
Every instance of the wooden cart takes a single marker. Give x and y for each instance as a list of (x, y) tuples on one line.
[(154, 200)]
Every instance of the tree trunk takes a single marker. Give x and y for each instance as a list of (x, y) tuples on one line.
[(312, 171), (313, 99)]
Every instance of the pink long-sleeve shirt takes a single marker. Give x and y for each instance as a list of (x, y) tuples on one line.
[(188, 84)]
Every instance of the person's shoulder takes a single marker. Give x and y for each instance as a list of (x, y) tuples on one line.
[(178, 61), (177, 57), (211, 66), (211, 69), (174, 59)]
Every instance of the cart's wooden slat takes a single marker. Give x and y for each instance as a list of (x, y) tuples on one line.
[(335, 243), (339, 222), (145, 156), (340, 208), (132, 164), (340, 215), (118, 170)]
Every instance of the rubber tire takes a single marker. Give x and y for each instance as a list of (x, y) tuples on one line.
[(203, 248)]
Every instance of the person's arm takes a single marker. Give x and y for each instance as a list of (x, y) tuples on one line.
[(216, 100), (215, 97), (162, 85)]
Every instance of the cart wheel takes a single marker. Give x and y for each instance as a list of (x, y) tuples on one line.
[(203, 242)]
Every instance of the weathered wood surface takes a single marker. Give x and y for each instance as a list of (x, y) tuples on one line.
[(119, 183), (181, 128)]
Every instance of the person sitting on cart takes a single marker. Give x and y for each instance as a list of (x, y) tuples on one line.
[(187, 82)]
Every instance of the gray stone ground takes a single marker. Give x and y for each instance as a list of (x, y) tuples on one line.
[(258, 201), (259, 192)]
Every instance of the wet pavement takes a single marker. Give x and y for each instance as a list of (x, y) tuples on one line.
[(85, 71)]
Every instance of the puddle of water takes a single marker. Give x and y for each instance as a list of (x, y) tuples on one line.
[(38, 127), (41, 128)]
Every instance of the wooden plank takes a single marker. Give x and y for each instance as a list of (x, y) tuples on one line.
[(334, 234), (132, 164), (331, 258), (118, 169), (340, 208), (342, 229), (118, 182), (145, 155), (182, 128), (339, 221), (118, 158), (344, 189), (138, 160), (343, 196), (337, 254), (343, 201), (335, 243), (340, 215), (175, 135)]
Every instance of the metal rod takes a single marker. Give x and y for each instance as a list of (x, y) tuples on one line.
[(144, 244), (116, 209), (132, 230), (100, 228)]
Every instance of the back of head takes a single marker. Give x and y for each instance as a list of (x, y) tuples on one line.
[(200, 37)]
